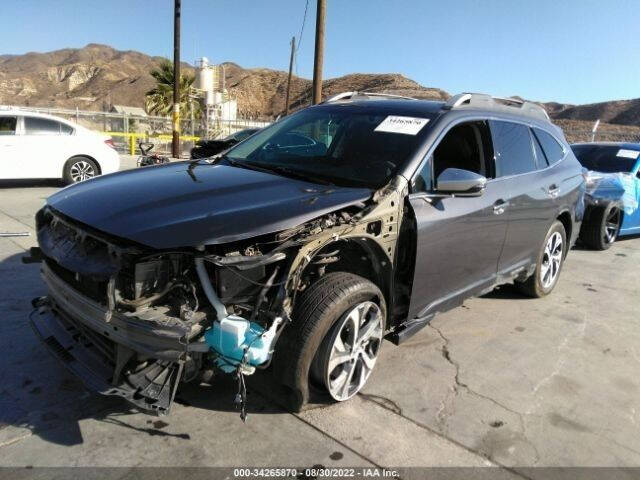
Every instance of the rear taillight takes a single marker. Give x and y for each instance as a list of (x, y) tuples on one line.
[(110, 143)]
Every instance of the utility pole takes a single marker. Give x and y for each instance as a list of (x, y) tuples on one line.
[(293, 50), (175, 146), (321, 13)]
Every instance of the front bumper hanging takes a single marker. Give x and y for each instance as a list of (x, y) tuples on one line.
[(151, 387)]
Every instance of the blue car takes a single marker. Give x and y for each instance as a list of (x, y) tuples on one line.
[(613, 191)]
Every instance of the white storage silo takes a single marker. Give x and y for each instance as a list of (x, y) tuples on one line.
[(205, 76)]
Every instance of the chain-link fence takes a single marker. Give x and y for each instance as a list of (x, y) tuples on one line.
[(127, 130)]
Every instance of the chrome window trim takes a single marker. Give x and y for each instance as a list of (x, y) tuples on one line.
[(476, 118)]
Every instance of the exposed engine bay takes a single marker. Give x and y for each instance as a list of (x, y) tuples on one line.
[(135, 322)]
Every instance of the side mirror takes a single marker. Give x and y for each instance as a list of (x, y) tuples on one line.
[(460, 182)]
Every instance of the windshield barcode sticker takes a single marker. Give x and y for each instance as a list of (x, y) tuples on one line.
[(628, 153), (405, 125)]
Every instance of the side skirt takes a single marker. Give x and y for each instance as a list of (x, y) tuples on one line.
[(408, 329)]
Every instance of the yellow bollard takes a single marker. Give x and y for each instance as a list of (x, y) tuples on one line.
[(132, 144)]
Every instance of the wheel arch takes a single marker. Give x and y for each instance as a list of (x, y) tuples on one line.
[(361, 256), (567, 222)]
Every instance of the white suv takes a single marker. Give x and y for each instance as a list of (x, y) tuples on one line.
[(34, 145)]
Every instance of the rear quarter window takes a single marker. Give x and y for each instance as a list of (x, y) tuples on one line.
[(552, 149), (66, 129), (513, 147)]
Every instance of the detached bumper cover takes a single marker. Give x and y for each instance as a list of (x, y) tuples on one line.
[(136, 360), (151, 389)]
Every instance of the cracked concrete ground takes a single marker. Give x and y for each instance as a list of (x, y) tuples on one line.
[(503, 380)]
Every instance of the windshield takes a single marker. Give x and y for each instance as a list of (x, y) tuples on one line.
[(606, 159), (342, 146)]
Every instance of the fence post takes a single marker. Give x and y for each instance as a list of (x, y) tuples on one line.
[(594, 130)]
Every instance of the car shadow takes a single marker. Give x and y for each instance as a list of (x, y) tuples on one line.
[(507, 291), (32, 183), (626, 238), (38, 396), (220, 395)]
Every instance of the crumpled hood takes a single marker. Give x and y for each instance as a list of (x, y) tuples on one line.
[(173, 206)]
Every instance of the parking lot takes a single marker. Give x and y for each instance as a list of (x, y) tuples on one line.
[(504, 380)]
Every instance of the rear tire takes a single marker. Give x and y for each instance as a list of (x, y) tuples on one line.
[(601, 230), (548, 265), (304, 351), (78, 169)]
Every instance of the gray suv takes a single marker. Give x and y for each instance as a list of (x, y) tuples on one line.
[(298, 250)]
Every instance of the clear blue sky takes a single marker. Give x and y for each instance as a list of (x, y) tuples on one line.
[(577, 51)]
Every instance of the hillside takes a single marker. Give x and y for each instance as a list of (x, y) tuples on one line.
[(261, 91), (85, 78), (622, 112), (93, 77)]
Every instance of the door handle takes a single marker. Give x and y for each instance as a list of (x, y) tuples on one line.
[(553, 191), (499, 207)]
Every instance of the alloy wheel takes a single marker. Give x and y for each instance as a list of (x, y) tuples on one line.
[(611, 225), (354, 350), (81, 170), (551, 260)]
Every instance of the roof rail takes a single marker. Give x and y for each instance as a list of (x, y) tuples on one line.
[(363, 95), (507, 105)]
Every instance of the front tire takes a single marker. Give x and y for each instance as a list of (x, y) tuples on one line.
[(78, 169), (602, 228), (334, 338), (549, 263), (349, 352)]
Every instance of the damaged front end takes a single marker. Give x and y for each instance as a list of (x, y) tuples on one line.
[(134, 322), (615, 188), (119, 316)]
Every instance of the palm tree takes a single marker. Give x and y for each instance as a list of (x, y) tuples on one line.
[(159, 100)]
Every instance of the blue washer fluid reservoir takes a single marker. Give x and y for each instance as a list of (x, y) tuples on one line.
[(232, 335)]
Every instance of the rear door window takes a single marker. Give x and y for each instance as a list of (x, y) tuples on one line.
[(41, 126), (8, 125), (552, 149), (513, 147)]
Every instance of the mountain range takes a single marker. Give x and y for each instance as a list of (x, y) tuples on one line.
[(97, 76)]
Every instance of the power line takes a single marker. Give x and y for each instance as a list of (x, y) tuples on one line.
[(304, 21)]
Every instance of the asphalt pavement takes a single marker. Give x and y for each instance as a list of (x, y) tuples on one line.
[(503, 381)]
